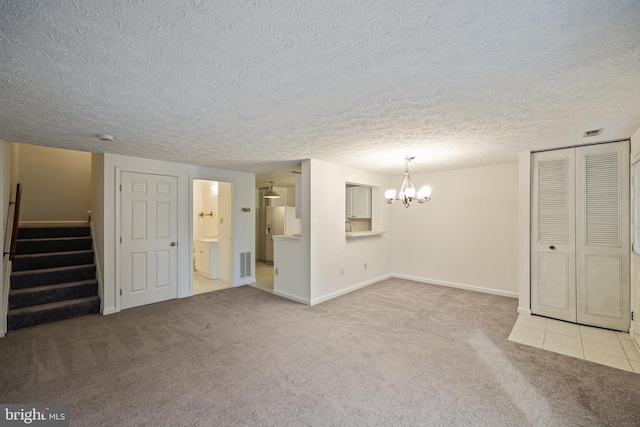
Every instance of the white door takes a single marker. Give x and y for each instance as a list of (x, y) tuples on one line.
[(149, 225), (580, 235), (602, 235), (635, 255), (553, 271)]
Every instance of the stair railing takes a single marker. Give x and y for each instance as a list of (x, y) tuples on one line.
[(14, 220)]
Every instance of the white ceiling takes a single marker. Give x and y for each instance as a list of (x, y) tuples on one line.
[(259, 85)]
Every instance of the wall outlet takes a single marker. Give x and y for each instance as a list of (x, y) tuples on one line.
[(342, 271), (275, 271), (365, 265)]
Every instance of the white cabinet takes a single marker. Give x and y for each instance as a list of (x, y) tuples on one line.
[(207, 258), (358, 202)]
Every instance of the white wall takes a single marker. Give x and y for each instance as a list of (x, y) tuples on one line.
[(224, 231), (244, 222), (205, 200), (56, 184), (524, 232), (98, 191), (329, 250), (466, 236)]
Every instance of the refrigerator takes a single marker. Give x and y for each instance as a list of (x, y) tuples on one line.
[(281, 220)]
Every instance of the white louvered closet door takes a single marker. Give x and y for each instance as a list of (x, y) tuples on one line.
[(580, 243), (553, 270), (602, 235)]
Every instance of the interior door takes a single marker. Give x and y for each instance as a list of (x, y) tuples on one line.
[(602, 237), (553, 272), (635, 254), (149, 238)]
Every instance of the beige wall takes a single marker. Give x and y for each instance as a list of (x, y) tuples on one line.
[(467, 235), (56, 184)]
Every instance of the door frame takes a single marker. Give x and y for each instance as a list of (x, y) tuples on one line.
[(525, 160), (213, 177), (634, 158), (118, 226)]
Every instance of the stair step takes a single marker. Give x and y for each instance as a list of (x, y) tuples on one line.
[(58, 244), (51, 259), (25, 297), (51, 312), (51, 276), (52, 232)]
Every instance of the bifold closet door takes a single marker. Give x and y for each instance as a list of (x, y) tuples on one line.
[(602, 235), (580, 243), (553, 260)]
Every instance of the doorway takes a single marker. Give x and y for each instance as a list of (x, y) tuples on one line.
[(212, 231)]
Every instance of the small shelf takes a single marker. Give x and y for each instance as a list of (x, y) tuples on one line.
[(355, 234)]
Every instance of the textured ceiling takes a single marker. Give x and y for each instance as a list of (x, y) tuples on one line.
[(259, 85)]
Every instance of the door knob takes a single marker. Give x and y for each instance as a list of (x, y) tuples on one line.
[(552, 247), (173, 243)]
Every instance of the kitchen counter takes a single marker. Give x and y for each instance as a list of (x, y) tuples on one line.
[(356, 234)]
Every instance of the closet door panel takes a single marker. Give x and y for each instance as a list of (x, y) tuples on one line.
[(553, 291), (602, 235)]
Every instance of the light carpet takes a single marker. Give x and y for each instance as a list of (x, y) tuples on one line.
[(394, 353)]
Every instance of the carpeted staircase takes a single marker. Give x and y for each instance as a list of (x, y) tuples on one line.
[(53, 276)]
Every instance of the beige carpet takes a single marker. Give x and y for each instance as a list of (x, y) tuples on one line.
[(393, 353)]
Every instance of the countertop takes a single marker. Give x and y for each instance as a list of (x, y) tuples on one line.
[(355, 234)]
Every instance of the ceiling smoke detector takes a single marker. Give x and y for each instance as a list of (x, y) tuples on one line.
[(105, 137), (594, 132)]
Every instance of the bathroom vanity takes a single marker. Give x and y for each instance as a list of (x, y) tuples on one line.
[(207, 257)]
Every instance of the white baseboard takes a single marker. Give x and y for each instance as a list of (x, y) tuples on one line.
[(108, 311), (522, 310), (291, 297), (347, 290), (53, 223), (460, 286), (2, 333)]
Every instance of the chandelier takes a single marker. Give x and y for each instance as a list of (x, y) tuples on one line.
[(407, 190)]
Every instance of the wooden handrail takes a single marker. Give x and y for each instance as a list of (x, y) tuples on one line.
[(16, 220)]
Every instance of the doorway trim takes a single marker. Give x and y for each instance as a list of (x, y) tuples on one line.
[(213, 177)]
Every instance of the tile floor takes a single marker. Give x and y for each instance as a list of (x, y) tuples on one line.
[(264, 280), (202, 284), (264, 276), (615, 349)]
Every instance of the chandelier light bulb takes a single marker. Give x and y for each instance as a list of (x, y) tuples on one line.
[(424, 192)]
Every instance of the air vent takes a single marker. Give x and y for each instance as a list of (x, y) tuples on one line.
[(594, 132), (245, 264)]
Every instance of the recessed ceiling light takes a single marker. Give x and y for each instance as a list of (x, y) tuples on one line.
[(105, 137), (594, 132)]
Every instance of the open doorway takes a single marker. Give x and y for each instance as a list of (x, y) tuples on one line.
[(212, 230), (275, 216)]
